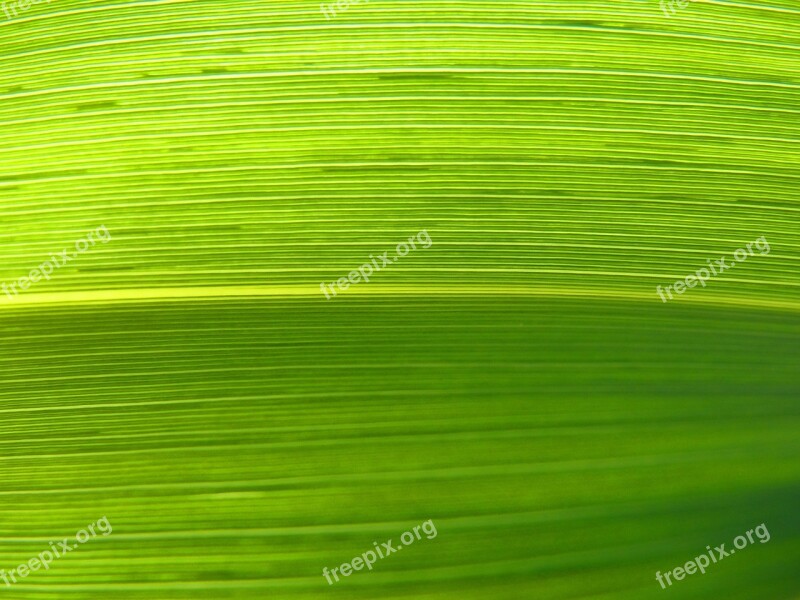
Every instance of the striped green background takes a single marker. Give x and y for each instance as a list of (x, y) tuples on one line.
[(520, 382)]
